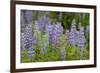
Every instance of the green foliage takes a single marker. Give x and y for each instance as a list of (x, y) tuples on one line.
[(72, 53)]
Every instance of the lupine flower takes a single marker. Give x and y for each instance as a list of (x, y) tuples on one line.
[(26, 43), (26, 37), (31, 52), (59, 31), (27, 40), (29, 16), (26, 18), (81, 38), (55, 31), (49, 28), (72, 34), (43, 23), (28, 29), (40, 23), (72, 38), (76, 38)]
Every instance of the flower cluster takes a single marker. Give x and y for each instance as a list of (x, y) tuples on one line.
[(43, 22), (55, 32), (26, 18), (27, 40), (76, 38)]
